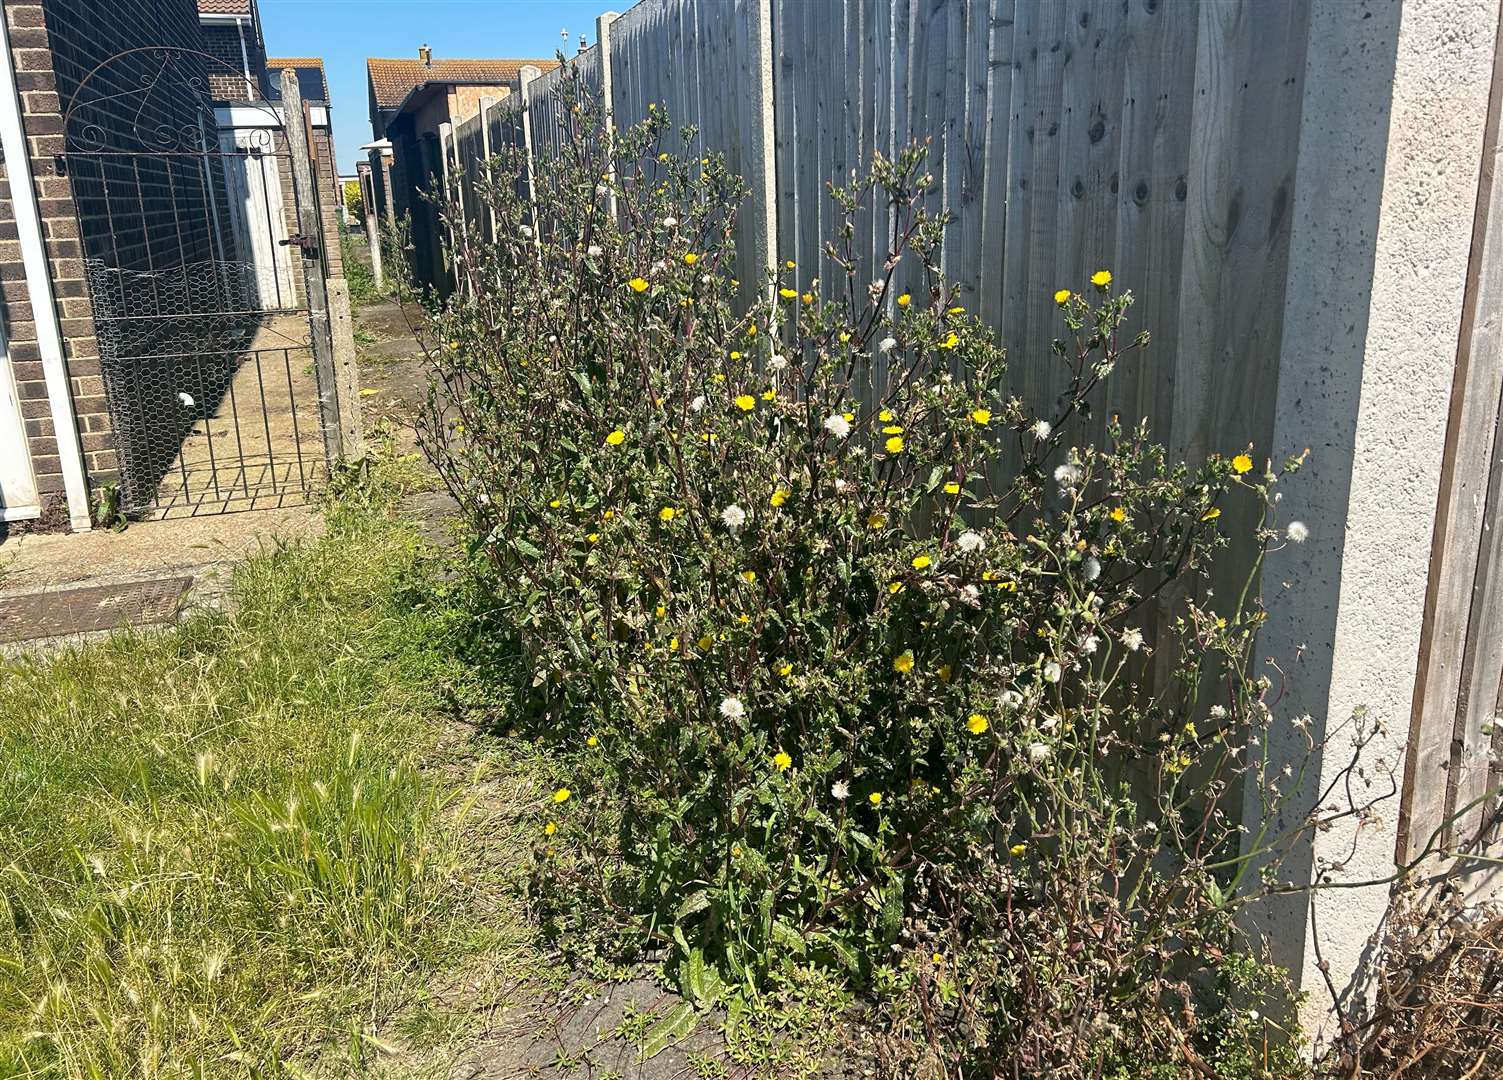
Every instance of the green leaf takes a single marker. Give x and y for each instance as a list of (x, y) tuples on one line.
[(788, 937), (673, 1028), (692, 904)]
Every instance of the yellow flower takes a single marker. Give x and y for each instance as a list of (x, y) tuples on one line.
[(704, 643), (1118, 514), (921, 562), (1242, 463), (893, 429), (1062, 297), (660, 611), (1212, 514), (958, 309), (593, 538), (875, 798), (951, 340), (562, 795), (1017, 849), (745, 618), (789, 264), (746, 403), (895, 587), (667, 513), (734, 356), (549, 829), (779, 497), (459, 429), (592, 741), (690, 258), (1101, 278), (638, 284), (981, 416), (876, 521), (751, 330), (782, 761), (944, 673), (845, 335), (885, 415), (848, 416), (453, 345), (615, 438), (785, 669), (904, 300), (976, 723), (787, 294), (555, 503), (768, 394), (895, 444), (748, 576), (938, 958), (608, 515), (807, 298), (903, 664), (952, 488)]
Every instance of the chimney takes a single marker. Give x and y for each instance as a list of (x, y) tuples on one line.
[(425, 54)]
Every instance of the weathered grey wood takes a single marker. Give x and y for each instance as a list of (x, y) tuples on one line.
[(295, 123), (1455, 693)]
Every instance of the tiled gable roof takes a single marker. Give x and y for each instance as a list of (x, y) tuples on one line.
[(224, 7), (393, 80)]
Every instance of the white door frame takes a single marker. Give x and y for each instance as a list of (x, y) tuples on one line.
[(18, 484)]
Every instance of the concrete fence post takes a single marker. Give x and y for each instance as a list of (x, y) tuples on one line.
[(762, 153), (525, 76), (603, 43), (346, 369)]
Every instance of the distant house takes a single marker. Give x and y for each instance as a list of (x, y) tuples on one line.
[(411, 102)]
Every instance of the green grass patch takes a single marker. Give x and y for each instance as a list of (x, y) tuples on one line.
[(218, 852)]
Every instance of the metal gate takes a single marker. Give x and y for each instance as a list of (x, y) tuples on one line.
[(205, 281)]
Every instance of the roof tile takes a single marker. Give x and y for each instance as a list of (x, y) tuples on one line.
[(224, 7), (392, 80)]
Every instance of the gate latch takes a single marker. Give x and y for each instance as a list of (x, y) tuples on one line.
[(303, 241)]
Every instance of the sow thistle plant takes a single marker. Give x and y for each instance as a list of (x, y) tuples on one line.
[(851, 657)]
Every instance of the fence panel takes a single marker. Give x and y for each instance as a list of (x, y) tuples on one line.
[(1157, 140)]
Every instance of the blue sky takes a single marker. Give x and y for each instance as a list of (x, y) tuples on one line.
[(345, 32)]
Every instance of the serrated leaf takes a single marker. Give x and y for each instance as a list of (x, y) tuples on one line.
[(788, 937), (673, 1028)]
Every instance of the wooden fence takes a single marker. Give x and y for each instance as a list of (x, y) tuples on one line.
[(1157, 139)]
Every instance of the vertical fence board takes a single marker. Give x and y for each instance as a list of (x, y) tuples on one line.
[(1154, 139)]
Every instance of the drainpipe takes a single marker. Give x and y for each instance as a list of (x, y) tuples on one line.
[(39, 288)]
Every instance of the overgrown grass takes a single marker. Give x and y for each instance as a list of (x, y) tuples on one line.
[(357, 272), (217, 851)]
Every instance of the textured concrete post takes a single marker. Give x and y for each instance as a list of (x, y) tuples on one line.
[(346, 370), (1395, 104), (603, 42)]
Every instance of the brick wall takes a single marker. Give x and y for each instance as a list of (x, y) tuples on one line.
[(326, 180), (28, 23), (224, 44)]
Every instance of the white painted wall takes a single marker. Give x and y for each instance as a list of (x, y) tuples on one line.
[(18, 488)]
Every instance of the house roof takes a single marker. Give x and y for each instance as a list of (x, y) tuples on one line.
[(392, 80), (310, 76), (224, 7)]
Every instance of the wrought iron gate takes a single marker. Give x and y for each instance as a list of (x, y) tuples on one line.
[(201, 281)]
